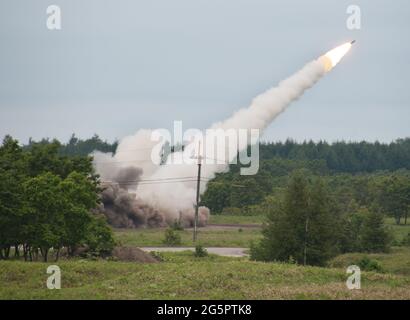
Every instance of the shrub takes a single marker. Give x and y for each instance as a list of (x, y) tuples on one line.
[(177, 226), (406, 240), (367, 264), (172, 238), (258, 251), (200, 251), (157, 255), (100, 238)]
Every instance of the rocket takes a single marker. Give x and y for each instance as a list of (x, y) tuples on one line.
[(352, 42)]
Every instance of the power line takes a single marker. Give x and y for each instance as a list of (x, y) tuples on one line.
[(125, 150), (122, 161), (131, 150), (114, 161), (153, 180), (156, 181), (136, 183), (150, 160)]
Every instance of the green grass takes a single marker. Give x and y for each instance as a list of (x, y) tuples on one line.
[(220, 237), (181, 276), (227, 237), (399, 231), (227, 219), (215, 237), (397, 261)]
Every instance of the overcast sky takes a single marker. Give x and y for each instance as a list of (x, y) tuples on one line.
[(121, 65)]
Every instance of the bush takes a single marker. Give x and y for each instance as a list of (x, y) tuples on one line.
[(367, 264), (172, 238), (258, 251), (406, 240), (177, 226), (157, 255), (100, 238), (200, 251)]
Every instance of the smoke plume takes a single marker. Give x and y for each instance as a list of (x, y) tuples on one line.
[(141, 193)]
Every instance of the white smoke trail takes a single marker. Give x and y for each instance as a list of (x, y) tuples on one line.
[(173, 198), (268, 105)]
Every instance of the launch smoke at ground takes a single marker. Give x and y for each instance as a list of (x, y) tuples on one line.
[(140, 193)]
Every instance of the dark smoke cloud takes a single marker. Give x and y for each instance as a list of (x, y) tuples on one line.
[(124, 209)]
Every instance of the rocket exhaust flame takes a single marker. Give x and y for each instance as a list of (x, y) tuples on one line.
[(333, 57), (156, 204)]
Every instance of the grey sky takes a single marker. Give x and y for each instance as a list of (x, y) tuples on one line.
[(120, 65)]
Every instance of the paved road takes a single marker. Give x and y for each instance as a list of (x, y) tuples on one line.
[(227, 252)]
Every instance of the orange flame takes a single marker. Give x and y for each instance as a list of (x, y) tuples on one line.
[(332, 57)]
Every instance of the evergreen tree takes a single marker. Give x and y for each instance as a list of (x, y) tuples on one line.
[(321, 226), (301, 227), (394, 195), (374, 235)]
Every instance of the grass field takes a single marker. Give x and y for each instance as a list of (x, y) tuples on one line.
[(396, 262), (399, 231), (221, 237), (181, 276), (228, 219)]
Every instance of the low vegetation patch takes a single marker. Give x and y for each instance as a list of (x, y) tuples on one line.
[(208, 237), (200, 251), (172, 237), (183, 276), (395, 262)]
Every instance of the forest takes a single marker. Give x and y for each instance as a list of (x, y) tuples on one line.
[(48, 202), (325, 198)]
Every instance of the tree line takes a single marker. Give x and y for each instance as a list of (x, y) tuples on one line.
[(320, 199), (48, 202), (306, 226), (76, 146), (338, 157), (385, 191), (352, 157)]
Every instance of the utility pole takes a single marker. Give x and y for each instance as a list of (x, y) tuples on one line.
[(198, 184)]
